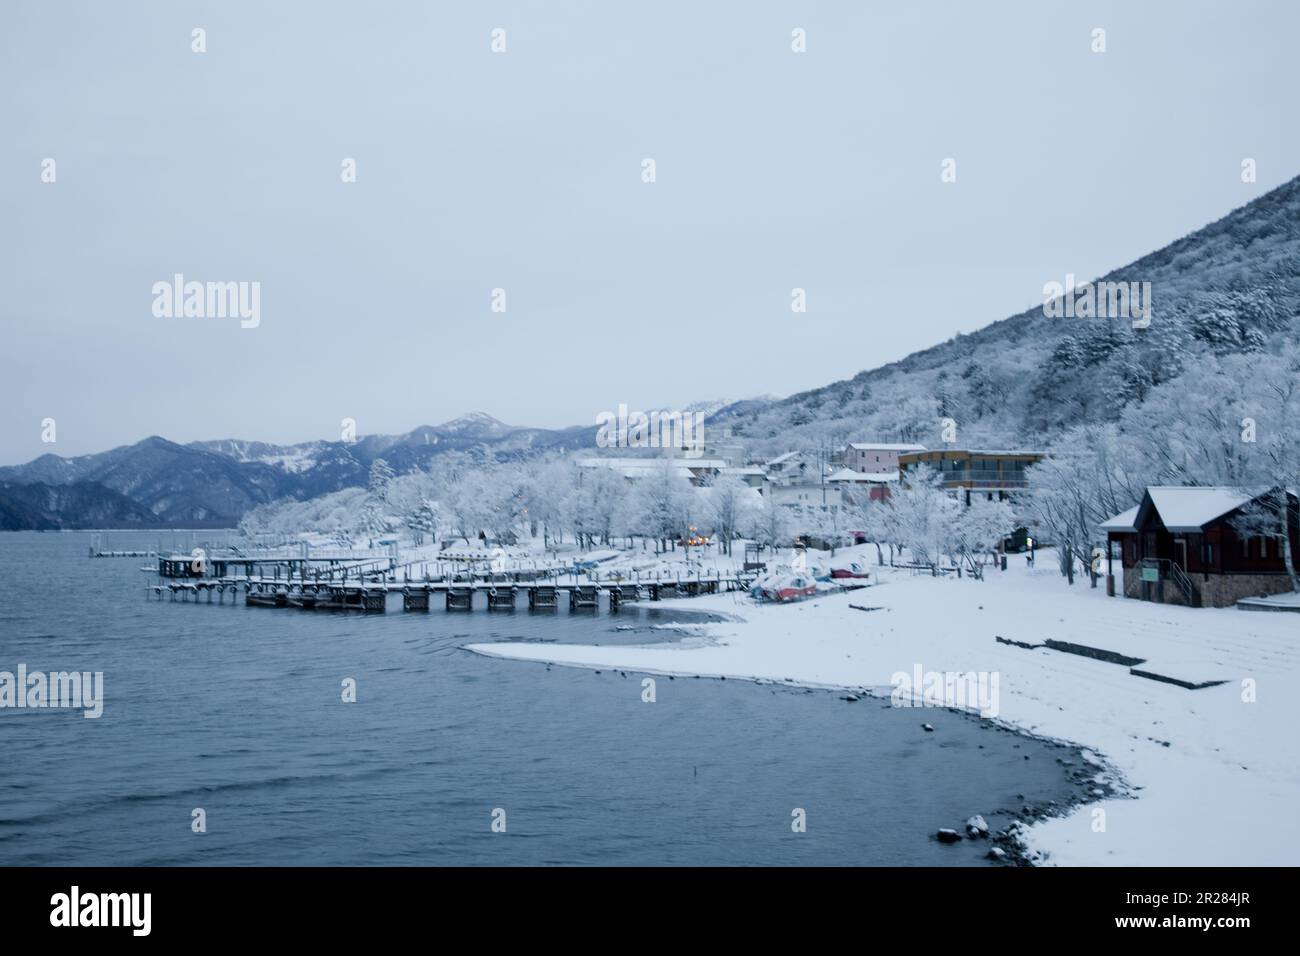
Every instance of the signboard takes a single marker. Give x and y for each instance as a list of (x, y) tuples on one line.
[(1151, 574)]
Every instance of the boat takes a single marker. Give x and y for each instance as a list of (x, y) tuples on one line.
[(783, 587), (819, 572), (851, 570)]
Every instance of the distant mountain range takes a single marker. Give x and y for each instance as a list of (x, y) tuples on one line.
[(1232, 286), (211, 484)]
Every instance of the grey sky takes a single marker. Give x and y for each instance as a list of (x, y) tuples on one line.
[(522, 171)]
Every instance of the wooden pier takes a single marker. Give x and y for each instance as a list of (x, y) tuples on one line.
[(543, 598), (371, 597), (315, 568), (415, 600), (583, 596)]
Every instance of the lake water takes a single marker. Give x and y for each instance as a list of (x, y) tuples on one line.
[(237, 710)]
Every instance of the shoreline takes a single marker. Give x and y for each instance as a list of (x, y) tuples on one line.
[(1010, 839), (1167, 764)]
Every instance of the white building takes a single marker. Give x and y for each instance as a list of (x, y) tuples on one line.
[(812, 494), (790, 468), (752, 475), (871, 485)]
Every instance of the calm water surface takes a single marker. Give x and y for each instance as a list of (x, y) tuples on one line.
[(237, 710)]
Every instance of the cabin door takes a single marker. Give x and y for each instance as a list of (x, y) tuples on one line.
[(1180, 552)]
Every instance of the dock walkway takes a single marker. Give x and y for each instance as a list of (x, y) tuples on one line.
[(457, 595)]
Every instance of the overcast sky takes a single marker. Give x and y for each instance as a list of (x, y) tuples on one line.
[(523, 171)]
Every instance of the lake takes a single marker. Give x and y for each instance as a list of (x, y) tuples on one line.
[(238, 711)]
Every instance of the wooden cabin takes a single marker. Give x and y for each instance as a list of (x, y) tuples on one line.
[(1179, 546)]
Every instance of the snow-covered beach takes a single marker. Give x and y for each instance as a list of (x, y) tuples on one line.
[(1207, 775)]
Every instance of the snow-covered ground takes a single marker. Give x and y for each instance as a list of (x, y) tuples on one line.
[(1276, 602), (1210, 777)]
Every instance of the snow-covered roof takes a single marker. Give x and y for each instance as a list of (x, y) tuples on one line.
[(743, 470), (780, 459), (848, 474), (873, 446), (1189, 509), (1124, 521), (984, 452), (643, 464), (650, 471), (1182, 508)]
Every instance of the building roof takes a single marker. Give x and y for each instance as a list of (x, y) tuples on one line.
[(848, 474), (1181, 508), (872, 446), (634, 468), (779, 459), (983, 452), (1190, 509), (651, 462), (1124, 521)]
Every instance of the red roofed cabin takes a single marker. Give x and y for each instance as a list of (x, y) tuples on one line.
[(1179, 546)]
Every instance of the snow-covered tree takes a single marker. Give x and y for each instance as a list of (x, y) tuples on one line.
[(464, 507), (595, 506), (380, 477), (1090, 474), (553, 481), (869, 517), (921, 516), (1273, 464), (978, 530), (769, 525), (504, 493), (423, 521), (730, 502), (662, 503)]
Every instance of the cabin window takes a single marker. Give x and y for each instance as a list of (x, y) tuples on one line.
[(1207, 554), (1263, 546)]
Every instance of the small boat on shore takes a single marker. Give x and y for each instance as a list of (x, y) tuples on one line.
[(781, 588), (851, 570)]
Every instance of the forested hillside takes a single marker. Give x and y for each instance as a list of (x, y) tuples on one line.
[(1231, 287)]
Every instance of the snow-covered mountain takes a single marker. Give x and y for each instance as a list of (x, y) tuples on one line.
[(721, 406), (177, 485), (1231, 287), (212, 483)]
